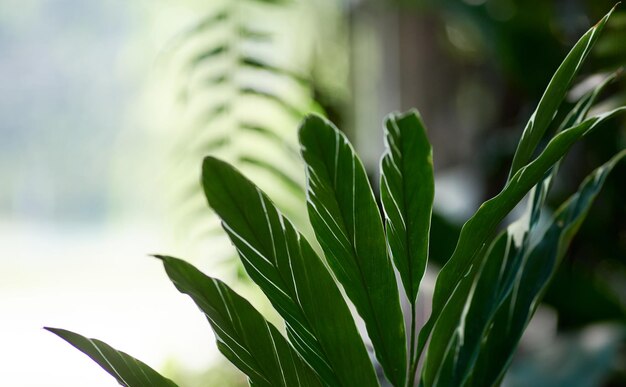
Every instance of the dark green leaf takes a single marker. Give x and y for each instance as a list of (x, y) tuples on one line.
[(127, 370), (538, 267), (553, 96), (348, 226), (450, 359), (455, 330), (247, 339), (284, 265), (478, 230), (407, 190)]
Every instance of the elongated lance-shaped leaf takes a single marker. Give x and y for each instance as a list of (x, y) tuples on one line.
[(553, 96), (477, 231), (531, 282), (520, 229), (539, 193), (407, 190), (448, 338), (450, 359), (293, 277), (348, 225), (127, 370), (243, 335)]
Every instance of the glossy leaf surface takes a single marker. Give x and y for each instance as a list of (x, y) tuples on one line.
[(407, 189), (538, 266), (477, 231), (450, 359), (293, 277), (553, 96), (243, 335), (348, 226)]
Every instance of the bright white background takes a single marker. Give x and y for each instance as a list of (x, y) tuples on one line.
[(81, 191)]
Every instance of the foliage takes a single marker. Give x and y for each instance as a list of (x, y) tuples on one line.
[(484, 296), (494, 54), (241, 84)]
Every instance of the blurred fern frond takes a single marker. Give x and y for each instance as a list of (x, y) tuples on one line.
[(242, 85)]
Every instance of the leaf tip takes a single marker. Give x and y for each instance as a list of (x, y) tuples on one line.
[(57, 331), (411, 112), (311, 120), (166, 259), (213, 170), (606, 17), (311, 127), (209, 161)]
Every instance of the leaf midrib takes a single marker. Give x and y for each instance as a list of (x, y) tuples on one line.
[(352, 247), (280, 275)]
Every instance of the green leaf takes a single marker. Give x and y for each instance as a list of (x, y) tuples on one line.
[(407, 191), (455, 330), (538, 266), (477, 231), (553, 96), (293, 277), (450, 359), (127, 370), (348, 226), (247, 339)]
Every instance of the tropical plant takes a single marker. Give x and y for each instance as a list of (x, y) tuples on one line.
[(484, 296), (242, 84)]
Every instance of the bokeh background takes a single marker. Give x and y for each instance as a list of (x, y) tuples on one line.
[(106, 109)]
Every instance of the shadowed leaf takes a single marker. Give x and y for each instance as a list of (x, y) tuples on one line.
[(450, 359), (477, 231), (553, 96), (538, 266)]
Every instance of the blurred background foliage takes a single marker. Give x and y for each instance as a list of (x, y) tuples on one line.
[(234, 77), (241, 84)]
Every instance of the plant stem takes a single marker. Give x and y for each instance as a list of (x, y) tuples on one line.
[(412, 354)]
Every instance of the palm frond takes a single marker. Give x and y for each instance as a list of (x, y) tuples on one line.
[(242, 85)]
